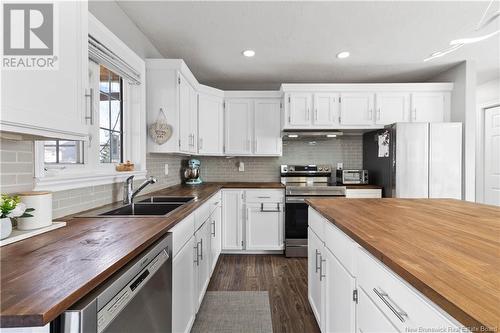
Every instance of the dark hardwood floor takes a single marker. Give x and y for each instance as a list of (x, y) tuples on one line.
[(284, 278)]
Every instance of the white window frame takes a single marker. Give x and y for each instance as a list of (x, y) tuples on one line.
[(92, 172)]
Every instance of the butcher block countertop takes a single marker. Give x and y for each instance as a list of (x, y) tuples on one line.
[(447, 249), (43, 276)]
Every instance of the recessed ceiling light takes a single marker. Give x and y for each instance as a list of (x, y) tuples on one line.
[(343, 55), (248, 53)]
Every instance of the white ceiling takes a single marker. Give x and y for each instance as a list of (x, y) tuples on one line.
[(298, 41)]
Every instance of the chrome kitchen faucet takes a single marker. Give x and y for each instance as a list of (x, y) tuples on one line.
[(128, 192)]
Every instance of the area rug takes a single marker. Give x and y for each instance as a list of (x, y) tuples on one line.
[(234, 311)]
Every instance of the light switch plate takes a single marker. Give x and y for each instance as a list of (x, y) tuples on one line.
[(166, 169), (241, 166), (340, 166)]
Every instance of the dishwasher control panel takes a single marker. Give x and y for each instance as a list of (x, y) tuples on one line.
[(106, 315)]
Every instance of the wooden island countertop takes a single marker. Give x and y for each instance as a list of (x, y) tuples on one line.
[(449, 250), (43, 276)]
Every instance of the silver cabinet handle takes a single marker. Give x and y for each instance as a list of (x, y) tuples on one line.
[(316, 114), (197, 260), (414, 114), (308, 114), (394, 308), (200, 143), (201, 252), (213, 228), (316, 265), (270, 210), (378, 114), (264, 197), (370, 114), (321, 275), (90, 95)]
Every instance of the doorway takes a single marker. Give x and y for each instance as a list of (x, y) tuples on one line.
[(492, 156)]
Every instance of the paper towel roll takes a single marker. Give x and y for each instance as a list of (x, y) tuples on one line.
[(42, 215)]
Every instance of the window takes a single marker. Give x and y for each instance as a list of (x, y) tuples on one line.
[(63, 152), (110, 116)]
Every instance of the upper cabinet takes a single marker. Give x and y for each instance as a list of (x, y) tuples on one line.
[(392, 108), (267, 126), (238, 126), (188, 117), (51, 102), (363, 106), (356, 108), (210, 124)]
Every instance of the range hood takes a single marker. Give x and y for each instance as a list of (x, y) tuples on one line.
[(310, 134)]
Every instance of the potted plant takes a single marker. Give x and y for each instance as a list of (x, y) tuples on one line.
[(11, 207)]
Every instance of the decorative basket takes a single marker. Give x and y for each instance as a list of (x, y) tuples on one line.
[(127, 166)]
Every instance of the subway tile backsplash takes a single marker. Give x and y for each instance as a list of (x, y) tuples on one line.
[(17, 169), (345, 149)]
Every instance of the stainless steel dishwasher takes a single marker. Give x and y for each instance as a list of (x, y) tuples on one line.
[(138, 298)]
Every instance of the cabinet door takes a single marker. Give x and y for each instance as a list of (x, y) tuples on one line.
[(325, 110), (184, 105), (52, 102), (183, 288), (299, 110), (337, 290), (232, 220), (267, 127), (428, 107), (238, 124), (314, 246), (202, 237), (216, 239), (392, 108), (211, 125), (356, 109), (264, 226), (369, 318), (193, 120)]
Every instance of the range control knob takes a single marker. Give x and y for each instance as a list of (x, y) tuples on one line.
[(321, 169), (327, 169)]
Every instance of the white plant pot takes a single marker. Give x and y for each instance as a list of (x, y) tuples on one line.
[(5, 227), (42, 215)]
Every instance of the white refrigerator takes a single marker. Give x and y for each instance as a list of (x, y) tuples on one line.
[(422, 160)]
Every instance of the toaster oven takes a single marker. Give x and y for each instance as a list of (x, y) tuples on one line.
[(352, 177)]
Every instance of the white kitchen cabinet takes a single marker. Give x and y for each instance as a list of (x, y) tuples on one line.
[(392, 108), (264, 226), (429, 106), (188, 116), (52, 103), (238, 126), (337, 288), (232, 219), (356, 108), (183, 291), (326, 110), (363, 193), (299, 110), (369, 318), (314, 248), (267, 127), (216, 235), (202, 261), (210, 125)]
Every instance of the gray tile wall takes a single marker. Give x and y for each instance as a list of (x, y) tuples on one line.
[(345, 149), (16, 166)]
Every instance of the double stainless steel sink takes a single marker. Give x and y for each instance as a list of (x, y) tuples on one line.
[(156, 206)]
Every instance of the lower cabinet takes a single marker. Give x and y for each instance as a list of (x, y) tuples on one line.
[(183, 293), (314, 248), (203, 266), (252, 220), (370, 318), (216, 236)]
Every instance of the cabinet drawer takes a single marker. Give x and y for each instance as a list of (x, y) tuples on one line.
[(202, 213), (406, 307), (363, 193), (341, 246), (181, 233), (316, 223), (268, 195)]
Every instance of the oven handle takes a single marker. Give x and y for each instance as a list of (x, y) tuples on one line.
[(294, 200)]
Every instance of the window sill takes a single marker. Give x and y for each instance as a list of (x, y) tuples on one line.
[(84, 179)]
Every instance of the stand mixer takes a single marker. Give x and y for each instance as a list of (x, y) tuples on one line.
[(192, 172)]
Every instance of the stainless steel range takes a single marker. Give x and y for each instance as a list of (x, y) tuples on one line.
[(302, 182)]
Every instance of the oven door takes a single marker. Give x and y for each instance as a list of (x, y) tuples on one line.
[(296, 218)]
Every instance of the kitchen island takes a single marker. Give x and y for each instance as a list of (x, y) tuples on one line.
[(448, 250)]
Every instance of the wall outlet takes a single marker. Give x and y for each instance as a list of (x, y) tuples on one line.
[(241, 166), (166, 169), (340, 166)]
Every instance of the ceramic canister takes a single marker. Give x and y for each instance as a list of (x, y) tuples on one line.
[(42, 215)]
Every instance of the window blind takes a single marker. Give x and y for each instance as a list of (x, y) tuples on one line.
[(100, 54)]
